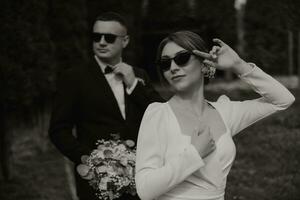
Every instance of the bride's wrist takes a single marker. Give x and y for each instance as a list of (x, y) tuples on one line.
[(241, 67)]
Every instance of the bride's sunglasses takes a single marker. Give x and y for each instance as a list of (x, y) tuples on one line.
[(108, 37), (181, 59)]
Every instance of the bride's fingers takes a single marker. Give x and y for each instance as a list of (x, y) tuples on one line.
[(213, 55), (203, 54), (220, 42), (216, 49)]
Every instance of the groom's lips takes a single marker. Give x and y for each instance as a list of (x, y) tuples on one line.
[(103, 50)]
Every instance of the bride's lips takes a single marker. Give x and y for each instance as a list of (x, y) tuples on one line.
[(177, 77)]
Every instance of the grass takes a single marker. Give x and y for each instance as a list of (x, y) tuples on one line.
[(36, 176), (267, 164)]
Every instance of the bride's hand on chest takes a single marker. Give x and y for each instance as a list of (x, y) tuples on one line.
[(202, 140)]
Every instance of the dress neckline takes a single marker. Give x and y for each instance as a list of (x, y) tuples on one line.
[(210, 103)]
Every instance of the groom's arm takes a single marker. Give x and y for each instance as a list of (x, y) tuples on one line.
[(63, 119)]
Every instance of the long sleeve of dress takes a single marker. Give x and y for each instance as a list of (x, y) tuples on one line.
[(274, 97), (154, 176)]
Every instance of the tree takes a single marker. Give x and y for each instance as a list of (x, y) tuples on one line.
[(26, 64), (37, 39)]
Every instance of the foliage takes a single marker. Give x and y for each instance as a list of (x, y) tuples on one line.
[(36, 38), (68, 28), (30, 55), (27, 59), (267, 27)]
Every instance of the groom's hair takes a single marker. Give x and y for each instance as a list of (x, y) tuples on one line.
[(113, 16)]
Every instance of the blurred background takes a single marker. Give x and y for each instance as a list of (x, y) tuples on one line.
[(41, 38)]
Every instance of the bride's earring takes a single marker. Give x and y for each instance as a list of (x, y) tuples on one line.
[(208, 71)]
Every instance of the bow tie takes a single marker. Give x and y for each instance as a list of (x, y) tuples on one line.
[(108, 70)]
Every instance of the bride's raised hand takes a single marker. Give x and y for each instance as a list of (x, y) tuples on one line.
[(221, 56)]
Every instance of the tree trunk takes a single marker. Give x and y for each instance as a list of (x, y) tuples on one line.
[(2, 143), (69, 169), (5, 152), (240, 12), (40, 128), (298, 60), (290, 51)]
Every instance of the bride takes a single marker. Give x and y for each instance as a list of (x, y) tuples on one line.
[(185, 148)]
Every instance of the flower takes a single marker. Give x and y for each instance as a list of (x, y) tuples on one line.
[(108, 153), (121, 147), (84, 171), (101, 169), (84, 158), (110, 168), (124, 160), (103, 183), (130, 143), (100, 154)]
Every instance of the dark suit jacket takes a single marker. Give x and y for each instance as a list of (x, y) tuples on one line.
[(84, 100)]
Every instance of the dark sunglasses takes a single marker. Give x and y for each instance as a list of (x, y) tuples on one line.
[(180, 59), (108, 37)]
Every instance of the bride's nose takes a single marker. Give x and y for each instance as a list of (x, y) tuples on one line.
[(174, 67)]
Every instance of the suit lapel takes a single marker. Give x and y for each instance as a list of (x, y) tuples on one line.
[(104, 87)]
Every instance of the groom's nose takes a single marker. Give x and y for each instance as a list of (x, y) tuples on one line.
[(102, 41)]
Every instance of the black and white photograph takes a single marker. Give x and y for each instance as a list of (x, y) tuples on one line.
[(150, 100)]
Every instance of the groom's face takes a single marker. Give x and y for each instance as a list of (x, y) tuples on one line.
[(109, 40)]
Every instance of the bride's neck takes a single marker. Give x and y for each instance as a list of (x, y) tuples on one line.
[(191, 101)]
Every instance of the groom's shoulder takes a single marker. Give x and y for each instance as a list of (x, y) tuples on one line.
[(78, 70), (71, 74)]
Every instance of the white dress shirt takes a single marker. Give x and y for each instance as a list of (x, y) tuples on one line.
[(116, 84)]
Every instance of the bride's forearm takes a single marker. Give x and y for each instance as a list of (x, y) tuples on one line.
[(241, 68), (265, 85)]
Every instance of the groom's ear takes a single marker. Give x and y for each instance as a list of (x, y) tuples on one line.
[(125, 41)]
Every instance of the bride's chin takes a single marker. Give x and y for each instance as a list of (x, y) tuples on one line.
[(179, 88)]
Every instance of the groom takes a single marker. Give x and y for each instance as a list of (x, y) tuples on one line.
[(105, 97)]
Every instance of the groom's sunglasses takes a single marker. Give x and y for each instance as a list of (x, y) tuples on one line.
[(108, 37), (181, 59)]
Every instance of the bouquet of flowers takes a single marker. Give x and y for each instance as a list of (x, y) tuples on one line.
[(110, 168)]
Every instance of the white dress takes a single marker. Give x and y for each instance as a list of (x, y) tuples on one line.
[(168, 167)]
